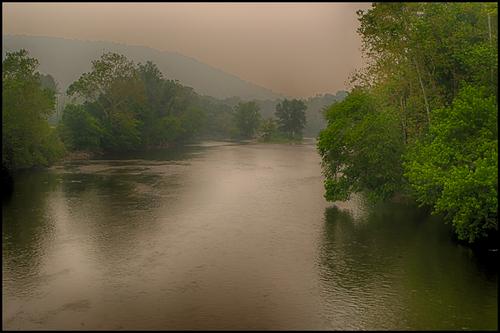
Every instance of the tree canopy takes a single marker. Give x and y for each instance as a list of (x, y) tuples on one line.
[(421, 117), (291, 117), (27, 138), (247, 117), (130, 106)]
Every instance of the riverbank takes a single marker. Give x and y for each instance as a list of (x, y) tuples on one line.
[(79, 155), (283, 140)]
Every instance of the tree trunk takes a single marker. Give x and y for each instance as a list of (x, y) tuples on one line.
[(403, 120), (489, 34), (423, 93)]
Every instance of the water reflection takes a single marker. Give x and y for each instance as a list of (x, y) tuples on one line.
[(26, 227), (70, 231), (399, 259), (227, 237)]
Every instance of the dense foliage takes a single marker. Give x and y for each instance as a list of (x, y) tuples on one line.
[(362, 148), (218, 119), (128, 106), (27, 138), (291, 117), (247, 117), (314, 113), (269, 130), (118, 106), (423, 113), (80, 129), (455, 167)]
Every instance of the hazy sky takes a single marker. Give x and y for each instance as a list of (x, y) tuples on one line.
[(299, 49)]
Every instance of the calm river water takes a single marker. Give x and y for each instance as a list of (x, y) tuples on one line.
[(228, 236)]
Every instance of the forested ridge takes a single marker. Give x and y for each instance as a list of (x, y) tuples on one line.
[(421, 118)]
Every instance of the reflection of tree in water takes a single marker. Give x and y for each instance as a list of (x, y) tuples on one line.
[(364, 248), (354, 263), (26, 226), (398, 267), (117, 208), (119, 202)]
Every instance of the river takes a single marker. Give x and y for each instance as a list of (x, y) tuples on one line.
[(228, 236)]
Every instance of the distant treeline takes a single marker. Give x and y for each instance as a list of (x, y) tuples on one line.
[(422, 117), (315, 120), (120, 106)]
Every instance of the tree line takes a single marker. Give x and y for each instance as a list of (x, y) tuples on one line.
[(421, 118), (120, 105)]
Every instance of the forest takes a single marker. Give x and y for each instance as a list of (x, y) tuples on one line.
[(421, 119), (122, 106)]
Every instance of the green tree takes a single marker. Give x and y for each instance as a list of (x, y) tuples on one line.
[(421, 52), (291, 117), (118, 95), (247, 117), (218, 120), (79, 129), (454, 169), (420, 56), (132, 106), (27, 138), (170, 113), (191, 121), (361, 149), (268, 130)]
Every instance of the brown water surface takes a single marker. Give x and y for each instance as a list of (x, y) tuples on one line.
[(228, 236)]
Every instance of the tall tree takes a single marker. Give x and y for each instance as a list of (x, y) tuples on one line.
[(361, 148), (114, 87), (291, 117), (455, 168), (79, 129), (433, 95), (247, 117), (127, 106), (27, 139), (268, 129)]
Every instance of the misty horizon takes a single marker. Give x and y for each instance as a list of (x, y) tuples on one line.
[(282, 95), (157, 50), (289, 49)]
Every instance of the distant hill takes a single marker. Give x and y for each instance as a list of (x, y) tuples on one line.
[(67, 59)]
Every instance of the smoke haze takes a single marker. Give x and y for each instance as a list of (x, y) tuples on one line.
[(298, 49)]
